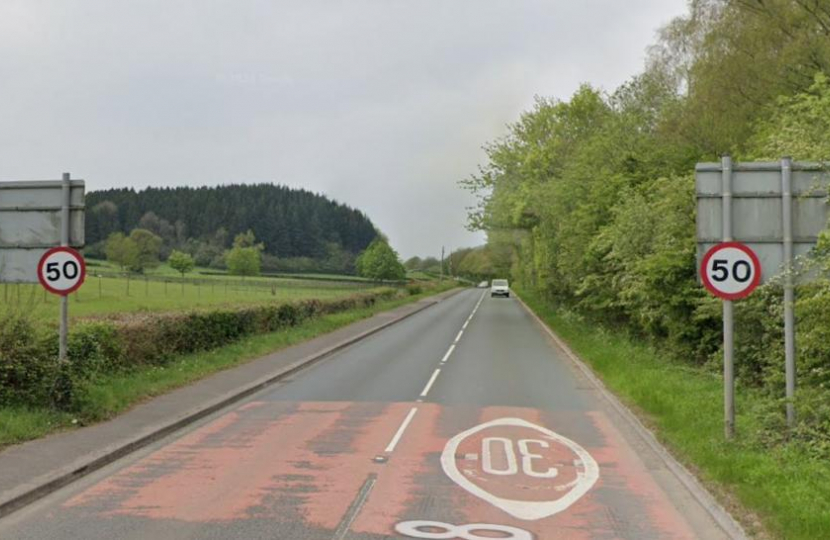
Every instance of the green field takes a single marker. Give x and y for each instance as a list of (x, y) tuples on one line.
[(106, 292)]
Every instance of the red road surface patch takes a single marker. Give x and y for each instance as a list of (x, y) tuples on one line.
[(306, 463), (271, 460)]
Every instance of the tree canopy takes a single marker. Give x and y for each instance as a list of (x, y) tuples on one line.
[(245, 258), (291, 223), (589, 202), (380, 262), (181, 262)]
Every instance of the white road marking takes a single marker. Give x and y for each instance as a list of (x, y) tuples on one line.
[(413, 529), (396, 439), (587, 473), (451, 349), (431, 381), (449, 352)]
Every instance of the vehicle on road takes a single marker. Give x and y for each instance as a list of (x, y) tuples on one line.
[(483, 284), (500, 288)]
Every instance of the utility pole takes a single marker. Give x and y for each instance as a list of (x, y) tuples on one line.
[(442, 263), (449, 265)]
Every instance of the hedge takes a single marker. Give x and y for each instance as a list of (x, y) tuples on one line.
[(31, 375)]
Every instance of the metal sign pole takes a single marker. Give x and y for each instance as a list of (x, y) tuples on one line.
[(789, 286), (728, 308), (64, 322)]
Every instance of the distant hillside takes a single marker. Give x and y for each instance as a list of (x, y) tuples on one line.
[(290, 222)]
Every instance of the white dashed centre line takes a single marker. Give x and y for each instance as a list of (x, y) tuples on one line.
[(396, 439), (431, 382), (449, 352)]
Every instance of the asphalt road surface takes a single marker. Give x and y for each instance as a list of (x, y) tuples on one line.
[(461, 422)]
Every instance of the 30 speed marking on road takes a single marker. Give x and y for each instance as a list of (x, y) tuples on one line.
[(61, 270), (730, 270)]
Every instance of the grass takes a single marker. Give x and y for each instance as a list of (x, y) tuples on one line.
[(18, 424), (201, 272), (784, 489), (108, 295), (114, 393)]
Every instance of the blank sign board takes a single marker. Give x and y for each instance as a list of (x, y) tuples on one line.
[(19, 265), (757, 211), (30, 223)]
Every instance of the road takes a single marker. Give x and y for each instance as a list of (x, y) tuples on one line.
[(461, 422)]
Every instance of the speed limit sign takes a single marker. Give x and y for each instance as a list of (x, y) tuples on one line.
[(61, 270), (730, 270)]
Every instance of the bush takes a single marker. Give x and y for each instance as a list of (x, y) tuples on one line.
[(30, 373), (27, 369), (414, 289)]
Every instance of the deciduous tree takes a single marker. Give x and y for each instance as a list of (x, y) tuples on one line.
[(181, 262), (379, 261)]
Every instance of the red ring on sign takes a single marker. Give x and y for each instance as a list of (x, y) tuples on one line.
[(756, 278), (77, 257)]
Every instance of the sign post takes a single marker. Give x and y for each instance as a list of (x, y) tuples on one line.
[(35, 218), (728, 307), (777, 210), (64, 324), (730, 271), (789, 285)]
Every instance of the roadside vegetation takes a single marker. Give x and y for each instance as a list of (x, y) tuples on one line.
[(589, 207), (117, 362), (141, 326), (785, 484)]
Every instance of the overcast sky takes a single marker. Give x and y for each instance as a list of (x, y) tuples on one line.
[(380, 104)]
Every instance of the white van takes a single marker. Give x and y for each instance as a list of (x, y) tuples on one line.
[(499, 288)]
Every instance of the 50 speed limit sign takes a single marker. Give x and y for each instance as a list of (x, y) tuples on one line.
[(730, 270), (61, 270)]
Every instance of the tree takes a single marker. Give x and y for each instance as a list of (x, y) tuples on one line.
[(291, 222), (245, 258), (246, 239), (430, 264), (413, 263), (181, 262), (121, 250), (797, 125), (379, 261), (148, 246), (243, 261)]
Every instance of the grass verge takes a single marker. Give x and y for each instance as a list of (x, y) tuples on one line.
[(779, 492), (111, 394)]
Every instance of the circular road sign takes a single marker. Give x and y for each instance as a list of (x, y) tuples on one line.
[(61, 270), (730, 270)]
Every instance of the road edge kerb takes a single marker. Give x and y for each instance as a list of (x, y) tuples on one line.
[(719, 514), (52, 482)]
